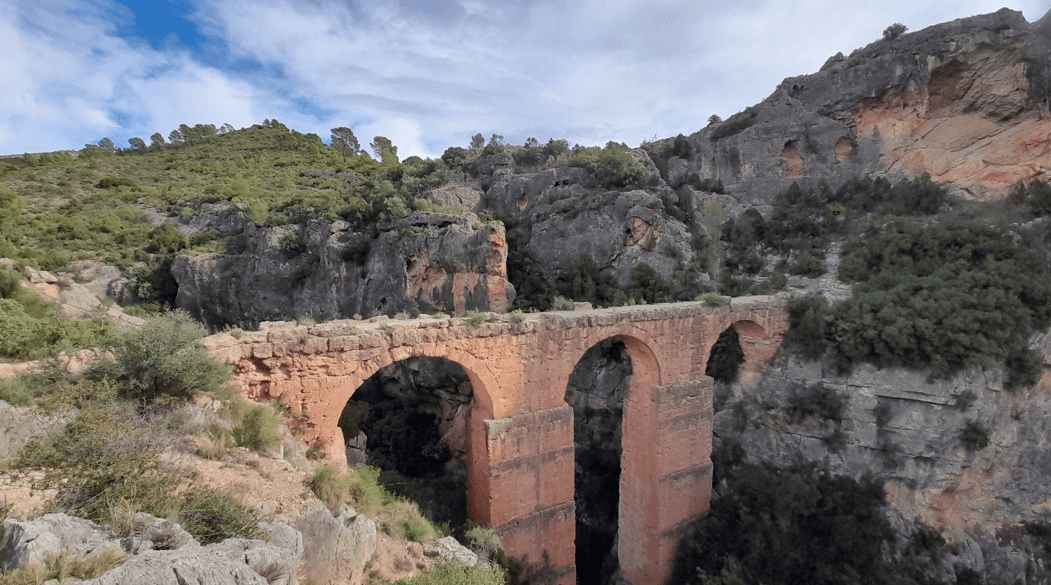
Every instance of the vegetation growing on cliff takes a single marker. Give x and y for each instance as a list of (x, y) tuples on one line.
[(946, 298), (791, 525)]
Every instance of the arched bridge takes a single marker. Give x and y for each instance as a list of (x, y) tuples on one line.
[(520, 430)]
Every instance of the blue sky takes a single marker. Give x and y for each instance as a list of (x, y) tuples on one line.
[(428, 74)]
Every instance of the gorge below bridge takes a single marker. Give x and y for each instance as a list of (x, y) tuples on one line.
[(519, 429)]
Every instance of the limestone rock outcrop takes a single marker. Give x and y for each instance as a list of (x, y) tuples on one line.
[(336, 548), (560, 216), (901, 428), (234, 561), (966, 102), (324, 270)]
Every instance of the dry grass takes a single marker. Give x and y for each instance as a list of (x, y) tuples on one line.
[(67, 566)]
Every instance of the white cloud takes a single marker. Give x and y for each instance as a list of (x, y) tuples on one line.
[(424, 74)]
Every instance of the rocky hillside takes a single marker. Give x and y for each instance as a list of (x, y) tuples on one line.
[(965, 101)]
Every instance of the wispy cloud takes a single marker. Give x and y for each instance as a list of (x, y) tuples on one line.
[(426, 74)]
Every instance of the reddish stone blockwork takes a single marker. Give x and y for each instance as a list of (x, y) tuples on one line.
[(520, 451)]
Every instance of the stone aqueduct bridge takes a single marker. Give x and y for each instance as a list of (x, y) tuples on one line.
[(519, 431)]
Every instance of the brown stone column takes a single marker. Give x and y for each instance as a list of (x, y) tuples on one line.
[(531, 487), (684, 463), (667, 475)]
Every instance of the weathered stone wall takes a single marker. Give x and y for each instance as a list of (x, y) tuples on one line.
[(520, 445)]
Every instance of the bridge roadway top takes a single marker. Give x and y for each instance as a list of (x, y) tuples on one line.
[(275, 339)]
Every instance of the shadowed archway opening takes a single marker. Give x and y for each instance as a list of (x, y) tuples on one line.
[(724, 364), (410, 421), (597, 391)]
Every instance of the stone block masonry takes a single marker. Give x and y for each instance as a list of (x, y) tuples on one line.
[(520, 430)]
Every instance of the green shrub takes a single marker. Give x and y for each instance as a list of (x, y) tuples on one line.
[(807, 265), (807, 326), (359, 487), (163, 359), (735, 124), (483, 542), (1023, 368), (108, 182), (475, 319), (612, 166), (711, 299), (332, 487), (788, 525), (454, 573), (1037, 194), (107, 461), (257, 429), (213, 516), (726, 357), (561, 303), (818, 401), (292, 246), (974, 436)]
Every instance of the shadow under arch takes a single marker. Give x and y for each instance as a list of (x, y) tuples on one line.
[(639, 507), (479, 502)]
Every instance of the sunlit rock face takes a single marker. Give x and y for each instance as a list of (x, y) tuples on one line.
[(965, 101)]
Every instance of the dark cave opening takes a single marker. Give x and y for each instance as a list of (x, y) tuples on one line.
[(410, 420), (596, 391)]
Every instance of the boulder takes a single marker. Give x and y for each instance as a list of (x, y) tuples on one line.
[(234, 561), (29, 543), (336, 548), (21, 424)]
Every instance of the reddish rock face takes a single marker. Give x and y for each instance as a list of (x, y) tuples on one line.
[(965, 101), (520, 430), (968, 127)]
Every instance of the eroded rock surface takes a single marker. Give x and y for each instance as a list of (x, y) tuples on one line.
[(907, 431), (965, 101), (425, 263)]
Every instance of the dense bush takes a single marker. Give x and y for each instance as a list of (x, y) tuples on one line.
[(163, 359), (726, 357), (533, 291), (735, 124), (816, 400), (405, 440), (30, 329), (792, 525), (974, 436), (612, 165), (945, 298), (453, 573), (1037, 194)]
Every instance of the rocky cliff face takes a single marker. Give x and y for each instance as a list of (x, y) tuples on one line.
[(324, 270), (562, 215), (898, 427), (965, 101)]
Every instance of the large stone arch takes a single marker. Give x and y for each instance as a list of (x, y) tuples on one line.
[(638, 524), (482, 383)]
